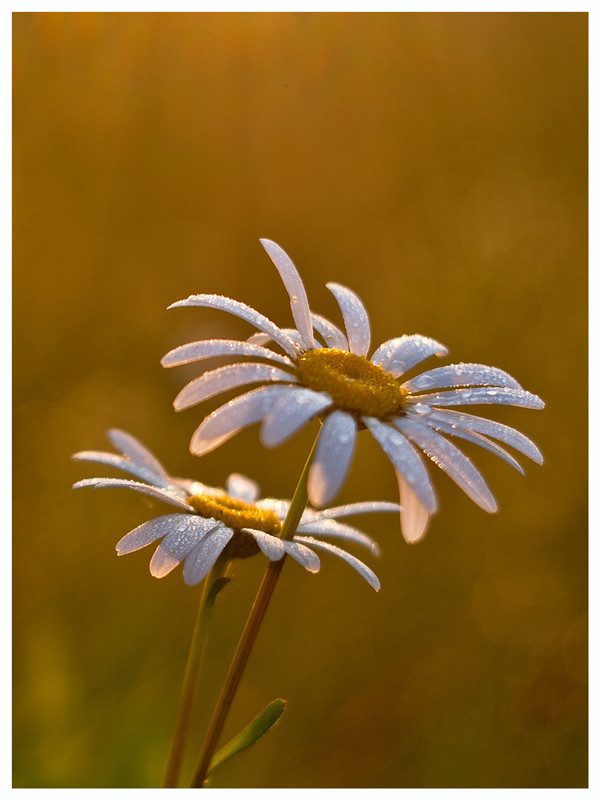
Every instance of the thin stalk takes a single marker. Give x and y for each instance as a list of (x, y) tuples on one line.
[(210, 589), (248, 637)]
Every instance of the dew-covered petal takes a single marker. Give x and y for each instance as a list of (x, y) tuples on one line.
[(291, 333), (295, 289), (149, 467), (174, 497), (336, 530), (356, 319), (211, 348), (449, 458), (489, 427), (479, 395), (405, 459), (278, 507), (333, 456), (231, 376), (234, 416), (244, 312), (291, 413), (351, 509), (303, 555), (203, 557), (354, 562), (397, 356), (119, 462), (149, 532), (242, 488), (414, 517), (331, 334), (476, 438), (179, 543), (271, 546), (460, 375)]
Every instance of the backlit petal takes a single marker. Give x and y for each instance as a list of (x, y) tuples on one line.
[(356, 319), (336, 530), (174, 497), (331, 334), (203, 557), (333, 456), (271, 546), (149, 532), (354, 562), (303, 555), (179, 543), (290, 414), (460, 375), (414, 517), (479, 395), (242, 488), (211, 348), (397, 356)]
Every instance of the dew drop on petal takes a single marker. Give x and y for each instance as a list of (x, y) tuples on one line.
[(422, 409)]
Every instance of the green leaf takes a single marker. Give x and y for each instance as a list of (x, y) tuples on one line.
[(251, 733)]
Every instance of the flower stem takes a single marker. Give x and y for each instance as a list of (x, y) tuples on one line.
[(248, 637), (211, 587)]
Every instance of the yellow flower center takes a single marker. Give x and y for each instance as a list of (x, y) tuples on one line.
[(235, 513), (352, 382)]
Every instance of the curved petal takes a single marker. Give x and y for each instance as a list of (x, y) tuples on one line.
[(271, 546), (356, 319), (244, 312), (139, 455), (295, 289), (331, 334), (303, 555), (168, 496), (336, 530), (405, 459), (476, 438), (352, 509), (291, 333), (489, 427), (234, 416), (149, 532), (333, 456), (460, 375), (449, 458), (414, 517), (203, 557), (179, 543), (397, 356), (278, 507), (354, 562), (291, 413), (120, 462), (242, 488), (211, 348), (222, 379), (479, 395)]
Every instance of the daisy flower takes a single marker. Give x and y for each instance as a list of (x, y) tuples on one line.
[(209, 519), (325, 372)]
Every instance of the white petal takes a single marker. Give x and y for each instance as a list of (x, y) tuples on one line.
[(489, 427), (203, 557), (290, 414), (356, 319), (449, 458), (303, 555), (211, 348), (222, 379), (278, 507), (139, 454), (149, 532), (234, 416), (295, 289), (119, 462), (476, 438), (405, 459), (397, 356), (291, 333), (336, 530), (460, 375), (179, 543), (479, 395), (244, 312), (333, 456), (242, 488), (331, 334), (271, 546), (354, 562), (168, 496), (414, 517), (351, 509)]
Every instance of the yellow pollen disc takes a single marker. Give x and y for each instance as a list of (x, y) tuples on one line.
[(235, 513), (352, 382)]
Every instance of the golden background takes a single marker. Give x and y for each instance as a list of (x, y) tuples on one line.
[(435, 163)]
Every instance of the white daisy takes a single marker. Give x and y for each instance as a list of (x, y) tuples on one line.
[(325, 372), (210, 519)]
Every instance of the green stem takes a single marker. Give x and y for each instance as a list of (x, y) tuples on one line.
[(210, 589), (248, 637)]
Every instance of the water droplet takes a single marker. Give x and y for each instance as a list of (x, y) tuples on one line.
[(492, 392), (424, 381), (422, 409)]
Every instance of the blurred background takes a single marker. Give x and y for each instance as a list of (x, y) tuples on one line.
[(437, 164)]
